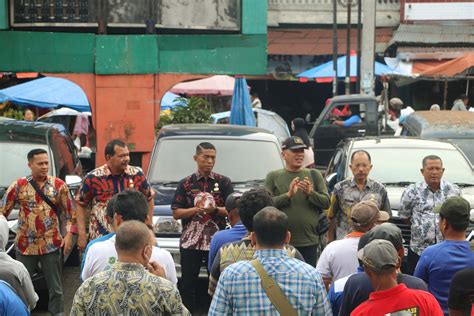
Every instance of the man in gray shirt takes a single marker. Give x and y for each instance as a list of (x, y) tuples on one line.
[(461, 103)]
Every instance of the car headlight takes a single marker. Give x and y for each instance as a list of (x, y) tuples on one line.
[(166, 225)]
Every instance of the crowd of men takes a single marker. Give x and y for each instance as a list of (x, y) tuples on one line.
[(270, 260)]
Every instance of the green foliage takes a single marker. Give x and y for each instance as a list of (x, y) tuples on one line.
[(13, 112), (196, 111)]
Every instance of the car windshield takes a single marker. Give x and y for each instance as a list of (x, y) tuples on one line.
[(239, 159), (466, 145), (392, 165), (13, 161)]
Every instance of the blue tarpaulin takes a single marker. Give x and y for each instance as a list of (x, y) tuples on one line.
[(324, 72), (47, 92), (241, 109)]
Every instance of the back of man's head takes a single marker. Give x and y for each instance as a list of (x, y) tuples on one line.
[(270, 227), (251, 202), (131, 205), (132, 237)]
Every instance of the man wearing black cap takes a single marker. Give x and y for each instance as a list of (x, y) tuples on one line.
[(302, 194), (237, 232), (357, 287), (439, 263), (380, 261)]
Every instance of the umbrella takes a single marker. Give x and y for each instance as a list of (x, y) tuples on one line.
[(215, 85), (241, 109), (47, 92), (171, 100), (325, 72)]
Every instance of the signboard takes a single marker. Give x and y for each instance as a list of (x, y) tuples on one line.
[(168, 14), (441, 11)]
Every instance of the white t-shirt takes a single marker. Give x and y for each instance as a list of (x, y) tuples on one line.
[(339, 258), (102, 255)]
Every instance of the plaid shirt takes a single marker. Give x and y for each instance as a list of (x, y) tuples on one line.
[(239, 291), (98, 188), (38, 225)]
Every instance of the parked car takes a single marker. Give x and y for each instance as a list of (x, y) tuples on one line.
[(244, 154), (265, 119), (397, 163), (455, 126), (17, 138)]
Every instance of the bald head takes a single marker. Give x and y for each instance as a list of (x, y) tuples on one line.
[(132, 237)]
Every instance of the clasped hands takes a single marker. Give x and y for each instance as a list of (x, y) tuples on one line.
[(305, 185)]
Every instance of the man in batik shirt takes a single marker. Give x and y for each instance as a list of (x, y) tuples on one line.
[(132, 285), (102, 183), (38, 237), (349, 192), (199, 223), (417, 204)]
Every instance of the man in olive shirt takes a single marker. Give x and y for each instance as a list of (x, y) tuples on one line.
[(302, 194)]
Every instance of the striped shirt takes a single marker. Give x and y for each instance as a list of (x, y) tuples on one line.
[(239, 291)]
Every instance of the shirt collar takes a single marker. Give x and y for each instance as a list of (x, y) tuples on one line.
[(199, 175), (107, 171), (265, 253), (442, 186), (127, 266), (368, 183), (387, 293)]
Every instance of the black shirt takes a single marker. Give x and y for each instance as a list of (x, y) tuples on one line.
[(461, 292)]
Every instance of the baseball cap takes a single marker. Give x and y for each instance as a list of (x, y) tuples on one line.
[(455, 209), (387, 231), (293, 142), (232, 201), (366, 212), (379, 255)]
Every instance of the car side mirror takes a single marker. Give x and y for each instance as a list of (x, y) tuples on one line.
[(73, 182)]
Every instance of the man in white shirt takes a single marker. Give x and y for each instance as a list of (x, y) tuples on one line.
[(339, 258), (101, 255)]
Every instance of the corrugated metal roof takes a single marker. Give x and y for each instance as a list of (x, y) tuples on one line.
[(433, 34)]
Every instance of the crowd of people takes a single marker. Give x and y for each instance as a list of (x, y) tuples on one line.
[(271, 261)]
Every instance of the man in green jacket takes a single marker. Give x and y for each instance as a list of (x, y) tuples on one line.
[(302, 194)]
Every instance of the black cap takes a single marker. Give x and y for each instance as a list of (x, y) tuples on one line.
[(455, 209), (232, 201), (293, 142)]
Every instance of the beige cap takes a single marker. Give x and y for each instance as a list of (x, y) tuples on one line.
[(366, 212)]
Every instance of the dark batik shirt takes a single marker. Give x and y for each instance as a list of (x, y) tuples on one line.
[(198, 230), (98, 188)]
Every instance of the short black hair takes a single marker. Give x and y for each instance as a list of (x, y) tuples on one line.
[(251, 202), (457, 226), (132, 205), (430, 157), (270, 227), (132, 236), (110, 206), (463, 97), (37, 151), (110, 147), (203, 146), (361, 151)]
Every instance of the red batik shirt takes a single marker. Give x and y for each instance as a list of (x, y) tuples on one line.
[(98, 188), (38, 225), (198, 230)]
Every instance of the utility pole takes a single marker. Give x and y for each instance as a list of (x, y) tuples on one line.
[(348, 49), (334, 46), (359, 41), (368, 47)]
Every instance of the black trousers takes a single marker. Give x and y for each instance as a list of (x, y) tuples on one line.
[(412, 260), (309, 253), (191, 262)]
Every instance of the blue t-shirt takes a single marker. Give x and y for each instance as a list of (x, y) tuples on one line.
[(10, 303), (223, 237), (358, 289), (439, 263), (354, 119), (102, 238)]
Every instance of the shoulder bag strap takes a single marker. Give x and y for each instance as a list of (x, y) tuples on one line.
[(273, 291), (42, 195)]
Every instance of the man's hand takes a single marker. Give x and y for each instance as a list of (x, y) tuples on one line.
[(82, 241), (293, 187), (66, 244), (156, 269), (306, 186)]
